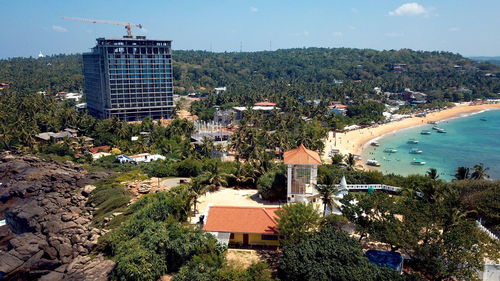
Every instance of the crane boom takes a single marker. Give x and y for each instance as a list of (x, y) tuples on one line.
[(128, 26)]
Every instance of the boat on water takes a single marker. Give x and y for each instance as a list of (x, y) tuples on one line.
[(441, 131), (417, 161), (375, 143), (483, 119), (435, 128), (425, 132), (432, 122), (373, 162), (413, 141), (415, 151), (390, 150)]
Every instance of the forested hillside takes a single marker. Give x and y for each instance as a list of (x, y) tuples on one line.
[(306, 73)]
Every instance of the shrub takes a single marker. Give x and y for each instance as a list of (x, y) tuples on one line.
[(272, 185), (188, 168)]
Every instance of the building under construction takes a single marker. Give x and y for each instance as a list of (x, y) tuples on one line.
[(130, 78)]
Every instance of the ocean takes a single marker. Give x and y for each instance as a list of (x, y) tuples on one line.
[(468, 141)]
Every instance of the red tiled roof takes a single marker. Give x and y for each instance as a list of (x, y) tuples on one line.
[(265, 103), (104, 148), (235, 219), (301, 155)]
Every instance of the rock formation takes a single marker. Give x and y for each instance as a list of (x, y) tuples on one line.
[(50, 220)]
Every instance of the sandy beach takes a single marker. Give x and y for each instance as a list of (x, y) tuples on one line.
[(354, 141)]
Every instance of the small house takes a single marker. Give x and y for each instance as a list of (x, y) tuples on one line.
[(246, 226)]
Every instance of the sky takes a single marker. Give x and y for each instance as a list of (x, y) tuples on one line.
[(468, 27)]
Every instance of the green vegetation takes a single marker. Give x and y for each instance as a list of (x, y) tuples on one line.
[(330, 254), (434, 229), (297, 220), (154, 240), (111, 196)]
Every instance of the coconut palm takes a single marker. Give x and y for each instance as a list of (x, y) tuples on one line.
[(479, 172), (432, 173), (462, 173), (327, 191), (207, 146), (215, 178), (197, 188), (350, 161)]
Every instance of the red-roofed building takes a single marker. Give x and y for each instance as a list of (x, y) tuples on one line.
[(302, 166), (337, 107), (96, 149), (265, 103), (243, 225)]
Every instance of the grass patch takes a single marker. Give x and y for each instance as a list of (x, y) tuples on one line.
[(54, 157)]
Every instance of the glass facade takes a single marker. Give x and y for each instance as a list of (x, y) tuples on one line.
[(129, 78)]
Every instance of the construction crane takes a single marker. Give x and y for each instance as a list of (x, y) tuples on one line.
[(128, 26)]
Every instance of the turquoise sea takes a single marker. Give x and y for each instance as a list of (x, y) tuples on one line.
[(468, 141)]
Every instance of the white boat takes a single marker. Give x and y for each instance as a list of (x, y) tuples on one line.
[(441, 131), (417, 161), (390, 150), (425, 132), (435, 128), (415, 151), (413, 141), (372, 162)]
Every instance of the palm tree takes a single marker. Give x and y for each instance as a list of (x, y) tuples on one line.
[(326, 191), (206, 146), (215, 179), (479, 172), (462, 173), (197, 189), (432, 173), (350, 161)]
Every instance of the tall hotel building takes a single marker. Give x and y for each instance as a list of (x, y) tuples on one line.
[(130, 78)]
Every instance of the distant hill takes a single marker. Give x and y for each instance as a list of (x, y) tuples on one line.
[(312, 71), (493, 60)]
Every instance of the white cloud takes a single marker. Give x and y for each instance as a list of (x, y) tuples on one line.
[(337, 34), (454, 29), (410, 9), (254, 10), (394, 34), (59, 28)]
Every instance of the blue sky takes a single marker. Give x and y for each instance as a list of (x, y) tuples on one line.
[(468, 27)]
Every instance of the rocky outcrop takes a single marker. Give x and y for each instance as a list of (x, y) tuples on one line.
[(50, 221)]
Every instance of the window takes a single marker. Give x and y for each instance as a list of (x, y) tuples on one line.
[(269, 237), (231, 236)]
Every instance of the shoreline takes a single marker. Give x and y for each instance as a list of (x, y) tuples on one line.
[(356, 141)]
